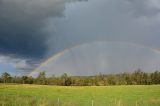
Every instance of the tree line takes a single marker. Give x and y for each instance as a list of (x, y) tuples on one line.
[(138, 77)]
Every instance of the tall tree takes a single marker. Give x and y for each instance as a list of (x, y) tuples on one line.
[(24, 78), (155, 77), (5, 77), (41, 79), (66, 81)]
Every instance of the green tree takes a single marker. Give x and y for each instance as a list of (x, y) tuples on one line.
[(155, 77), (24, 79), (5, 77), (41, 79), (102, 79), (138, 76), (66, 81), (111, 79)]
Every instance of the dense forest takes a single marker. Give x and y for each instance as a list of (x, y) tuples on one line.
[(137, 77)]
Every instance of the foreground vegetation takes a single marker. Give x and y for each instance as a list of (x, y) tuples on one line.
[(138, 77), (43, 95)]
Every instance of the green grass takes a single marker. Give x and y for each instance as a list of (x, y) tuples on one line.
[(36, 95)]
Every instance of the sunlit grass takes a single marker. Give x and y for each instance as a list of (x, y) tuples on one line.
[(41, 95)]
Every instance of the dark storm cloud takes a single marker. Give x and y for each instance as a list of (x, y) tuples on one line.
[(22, 25)]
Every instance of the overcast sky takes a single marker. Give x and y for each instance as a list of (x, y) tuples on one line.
[(31, 31)]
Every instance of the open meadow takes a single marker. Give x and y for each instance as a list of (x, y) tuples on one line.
[(41, 95)]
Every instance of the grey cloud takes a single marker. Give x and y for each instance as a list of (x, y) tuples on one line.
[(144, 7), (132, 21), (23, 25)]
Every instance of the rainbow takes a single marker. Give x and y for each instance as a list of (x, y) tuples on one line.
[(56, 56)]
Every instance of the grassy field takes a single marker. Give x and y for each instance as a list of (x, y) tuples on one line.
[(36, 95)]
